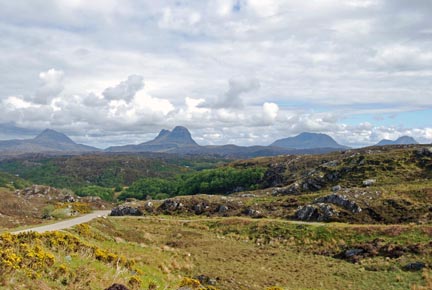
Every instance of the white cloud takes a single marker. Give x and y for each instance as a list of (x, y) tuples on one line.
[(232, 98), (270, 112), (180, 19), (125, 90), (264, 8), (16, 103), (403, 57), (51, 86), (317, 62)]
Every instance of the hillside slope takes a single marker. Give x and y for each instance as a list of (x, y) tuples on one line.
[(375, 185)]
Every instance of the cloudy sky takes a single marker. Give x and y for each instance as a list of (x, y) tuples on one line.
[(110, 72)]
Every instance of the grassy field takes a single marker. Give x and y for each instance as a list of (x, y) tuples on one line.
[(236, 253)]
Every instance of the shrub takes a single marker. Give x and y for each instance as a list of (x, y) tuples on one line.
[(94, 190)]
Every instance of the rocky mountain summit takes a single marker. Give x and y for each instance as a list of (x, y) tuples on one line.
[(166, 141)]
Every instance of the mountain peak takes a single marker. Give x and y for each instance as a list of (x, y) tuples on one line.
[(52, 135), (179, 135), (406, 140), (403, 140), (163, 132), (307, 140)]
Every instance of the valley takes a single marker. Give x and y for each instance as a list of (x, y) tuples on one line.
[(351, 219), (216, 145)]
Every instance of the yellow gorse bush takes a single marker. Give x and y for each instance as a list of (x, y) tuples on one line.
[(32, 254)]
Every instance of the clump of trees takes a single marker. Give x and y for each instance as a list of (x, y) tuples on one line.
[(223, 180), (156, 188)]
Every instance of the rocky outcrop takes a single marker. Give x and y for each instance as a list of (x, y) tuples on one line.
[(47, 192), (290, 189), (369, 182), (123, 210), (313, 184), (116, 286), (340, 200), (171, 205), (206, 280), (316, 212), (253, 213), (320, 210), (424, 152), (379, 247), (415, 266), (336, 188)]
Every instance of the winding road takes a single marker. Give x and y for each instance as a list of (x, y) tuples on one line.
[(100, 213), (67, 223)]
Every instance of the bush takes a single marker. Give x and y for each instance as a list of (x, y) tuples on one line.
[(47, 211), (94, 190)]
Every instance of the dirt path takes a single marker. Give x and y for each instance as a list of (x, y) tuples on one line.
[(67, 223)]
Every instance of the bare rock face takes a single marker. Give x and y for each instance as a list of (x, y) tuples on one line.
[(123, 210)]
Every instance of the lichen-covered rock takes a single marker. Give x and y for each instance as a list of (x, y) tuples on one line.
[(69, 198), (205, 280), (171, 205), (123, 210), (369, 182), (253, 213), (223, 209), (313, 184), (340, 200), (290, 189), (336, 188), (315, 212)]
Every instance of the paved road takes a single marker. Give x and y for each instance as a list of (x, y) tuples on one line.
[(67, 223)]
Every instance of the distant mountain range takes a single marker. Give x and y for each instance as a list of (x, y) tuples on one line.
[(179, 141), (47, 141), (404, 140), (308, 141)]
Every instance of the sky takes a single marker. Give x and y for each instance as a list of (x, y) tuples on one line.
[(246, 72)]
